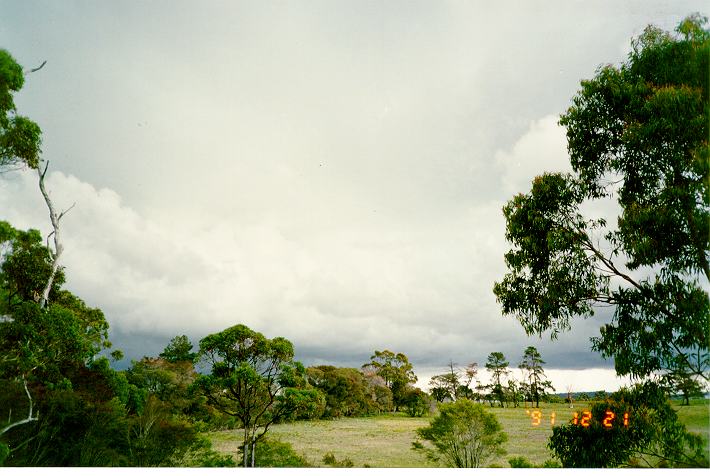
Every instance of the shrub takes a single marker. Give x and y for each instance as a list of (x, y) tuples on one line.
[(329, 459), (463, 435), (520, 462), (417, 402), (277, 454), (652, 428)]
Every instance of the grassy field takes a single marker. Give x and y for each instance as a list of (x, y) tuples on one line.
[(385, 441)]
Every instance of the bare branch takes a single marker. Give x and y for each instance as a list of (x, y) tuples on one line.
[(29, 418), (34, 70), (66, 211)]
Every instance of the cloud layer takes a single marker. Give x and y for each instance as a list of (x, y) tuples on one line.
[(328, 171)]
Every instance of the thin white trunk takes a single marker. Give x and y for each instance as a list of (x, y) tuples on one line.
[(58, 248), (29, 416)]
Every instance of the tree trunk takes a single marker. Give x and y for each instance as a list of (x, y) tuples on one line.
[(246, 447), (58, 248), (29, 418)]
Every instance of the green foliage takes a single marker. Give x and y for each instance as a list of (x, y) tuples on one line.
[(599, 395), (249, 378), (305, 404), (552, 398), (463, 435), (537, 384), (498, 367), (277, 454), (73, 431), (179, 350), (639, 133), (169, 381), (346, 391), (4, 453), (20, 138), (44, 344), (47, 343), (686, 385), (396, 371), (417, 402), (454, 383), (653, 433), (329, 459), (26, 266), (520, 462)]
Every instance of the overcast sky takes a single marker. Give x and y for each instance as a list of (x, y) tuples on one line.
[(328, 171)]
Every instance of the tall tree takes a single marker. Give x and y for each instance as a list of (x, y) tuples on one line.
[(446, 385), (455, 383), (179, 350), (396, 370), (253, 379), (20, 146), (537, 383), (637, 133), (498, 367)]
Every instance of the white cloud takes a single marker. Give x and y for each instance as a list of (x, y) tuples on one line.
[(543, 148), (337, 294)]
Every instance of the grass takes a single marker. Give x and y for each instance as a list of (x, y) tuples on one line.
[(386, 440)]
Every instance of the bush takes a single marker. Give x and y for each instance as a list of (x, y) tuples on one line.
[(329, 459), (520, 462), (652, 429), (463, 435), (417, 402), (277, 454), (523, 462)]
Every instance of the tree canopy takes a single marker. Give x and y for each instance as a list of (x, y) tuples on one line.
[(463, 435), (253, 378), (637, 133), (395, 369), (498, 367), (537, 382), (20, 137)]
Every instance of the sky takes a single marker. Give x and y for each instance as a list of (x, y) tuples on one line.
[(332, 172)]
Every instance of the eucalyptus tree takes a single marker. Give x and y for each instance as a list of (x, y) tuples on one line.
[(637, 133), (498, 367), (396, 370), (537, 382), (20, 147), (254, 379)]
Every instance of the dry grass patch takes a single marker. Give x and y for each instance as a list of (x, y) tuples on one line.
[(386, 440)]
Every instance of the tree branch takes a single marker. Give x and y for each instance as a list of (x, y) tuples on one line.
[(29, 418), (34, 70)]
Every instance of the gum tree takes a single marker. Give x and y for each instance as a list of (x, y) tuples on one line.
[(395, 369), (537, 382), (254, 379), (637, 133), (498, 367)]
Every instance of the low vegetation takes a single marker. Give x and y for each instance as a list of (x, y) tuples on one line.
[(386, 440)]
